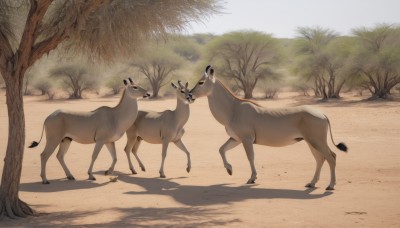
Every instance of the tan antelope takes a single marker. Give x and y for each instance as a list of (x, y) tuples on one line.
[(102, 126), (161, 128), (249, 123)]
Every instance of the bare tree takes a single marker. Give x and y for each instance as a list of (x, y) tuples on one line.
[(157, 64), (245, 57), (75, 79), (102, 29)]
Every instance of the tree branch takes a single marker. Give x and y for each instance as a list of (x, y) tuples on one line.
[(6, 53), (33, 21), (45, 46)]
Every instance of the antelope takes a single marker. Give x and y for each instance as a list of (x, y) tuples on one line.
[(102, 126), (249, 123), (161, 128)]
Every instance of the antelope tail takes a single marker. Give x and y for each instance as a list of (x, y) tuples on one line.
[(34, 143), (341, 146)]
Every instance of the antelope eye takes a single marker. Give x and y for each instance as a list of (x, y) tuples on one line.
[(201, 83)]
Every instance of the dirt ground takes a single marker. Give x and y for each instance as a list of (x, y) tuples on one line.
[(368, 177)]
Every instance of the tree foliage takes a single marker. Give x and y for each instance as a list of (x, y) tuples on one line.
[(246, 57), (186, 47)]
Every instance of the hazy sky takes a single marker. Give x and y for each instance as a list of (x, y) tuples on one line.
[(282, 17)]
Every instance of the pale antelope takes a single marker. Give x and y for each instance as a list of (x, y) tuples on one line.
[(249, 123), (102, 126), (161, 128)]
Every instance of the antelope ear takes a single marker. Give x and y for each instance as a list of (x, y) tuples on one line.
[(207, 67), (130, 80), (211, 70), (173, 85), (125, 82), (186, 85)]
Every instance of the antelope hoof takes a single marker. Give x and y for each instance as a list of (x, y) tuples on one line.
[(251, 181), (45, 182), (143, 169), (92, 178), (133, 171), (70, 177), (329, 188), (162, 175), (188, 169), (229, 171), (310, 185)]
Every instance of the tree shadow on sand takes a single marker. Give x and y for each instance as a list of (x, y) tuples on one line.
[(130, 217), (193, 195), (379, 103), (60, 185)]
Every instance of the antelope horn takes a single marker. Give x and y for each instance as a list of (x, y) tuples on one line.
[(180, 83)]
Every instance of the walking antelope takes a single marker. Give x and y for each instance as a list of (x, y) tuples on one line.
[(249, 123), (102, 126), (161, 128)]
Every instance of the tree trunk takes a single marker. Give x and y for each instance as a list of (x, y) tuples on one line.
[(247, 90), (248, 94), (156, 90), (10, 204)]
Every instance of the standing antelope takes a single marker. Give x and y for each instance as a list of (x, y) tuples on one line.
[(248, 123), (161, 128), (102, 126)]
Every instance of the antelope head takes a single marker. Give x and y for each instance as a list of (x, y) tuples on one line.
[(205, 85), (182, 92), (133, 90)]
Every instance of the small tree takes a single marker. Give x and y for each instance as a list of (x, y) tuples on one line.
[(27, 81), (321, 57), (245, 57), (45, 87), (114, 83), (157, 64), (376, 59), (75, 79)]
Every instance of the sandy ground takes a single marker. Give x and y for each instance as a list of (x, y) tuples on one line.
[(367, 191)]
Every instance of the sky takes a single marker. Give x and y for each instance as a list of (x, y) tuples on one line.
[(281, 17)]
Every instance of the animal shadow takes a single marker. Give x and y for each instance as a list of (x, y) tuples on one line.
[(195, 195)]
